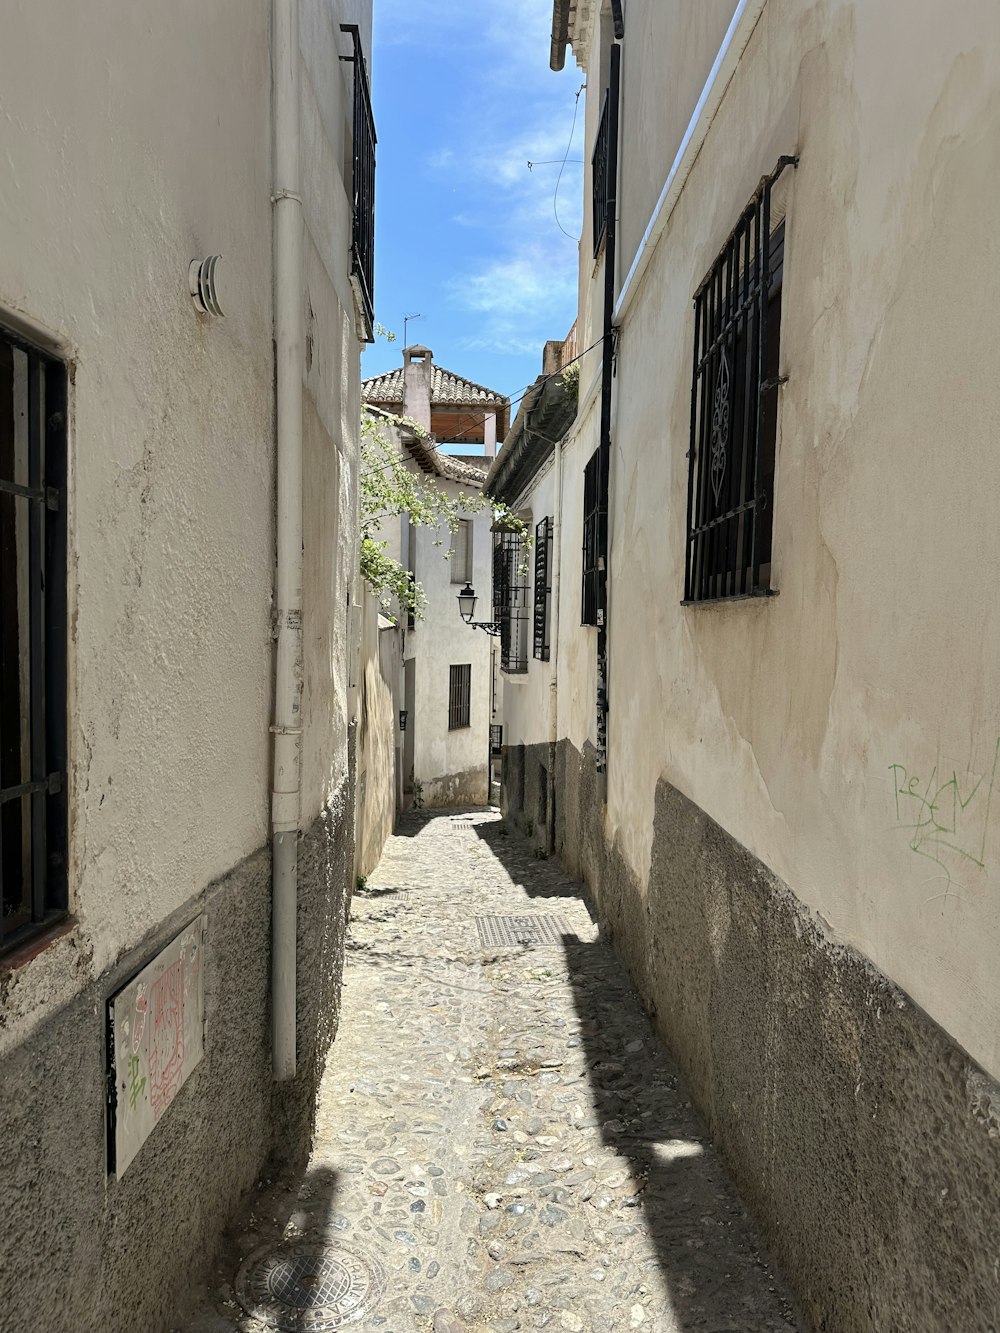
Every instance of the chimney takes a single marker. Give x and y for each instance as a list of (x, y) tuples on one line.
[(417, 384), (552, 356)]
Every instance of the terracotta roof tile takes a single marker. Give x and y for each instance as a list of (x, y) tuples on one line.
[(446, 387)]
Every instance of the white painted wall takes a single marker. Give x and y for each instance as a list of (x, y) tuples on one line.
[(438, 641), (134, 140), (786, 720), (527, 696)]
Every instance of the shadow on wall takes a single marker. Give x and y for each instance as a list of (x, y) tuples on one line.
[(706, 1251)]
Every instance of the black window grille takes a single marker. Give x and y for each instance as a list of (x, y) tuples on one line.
[(363, 187), (496, 739), (601, 181), (737, 322), (510, 599), (459, 696), (543, 588), (33, 630), (591, 539)]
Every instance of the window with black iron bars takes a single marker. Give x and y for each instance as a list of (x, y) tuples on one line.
[(734, 395), (591, 539), (510, 599), (363, 186), (459, 696), (543, 589), (33, 633)]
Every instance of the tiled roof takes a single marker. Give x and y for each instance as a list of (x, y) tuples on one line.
[(446, 387)]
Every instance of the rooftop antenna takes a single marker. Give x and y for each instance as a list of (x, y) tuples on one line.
[(406, 320)]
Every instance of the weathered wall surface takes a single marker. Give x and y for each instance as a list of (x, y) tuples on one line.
[(814, 726), (137, 142), (865, 1140), (378, 736), (799, 851)]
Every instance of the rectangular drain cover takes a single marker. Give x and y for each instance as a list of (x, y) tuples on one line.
[(514, 930)]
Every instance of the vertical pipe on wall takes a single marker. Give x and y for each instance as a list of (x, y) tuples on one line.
[(288, 354)]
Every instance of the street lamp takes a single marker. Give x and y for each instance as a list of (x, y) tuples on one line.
[(467, 608)]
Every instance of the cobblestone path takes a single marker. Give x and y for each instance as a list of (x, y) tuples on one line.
[(502, 1145)]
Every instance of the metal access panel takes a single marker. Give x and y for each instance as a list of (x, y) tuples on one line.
[(505, 931), (156, 1034)]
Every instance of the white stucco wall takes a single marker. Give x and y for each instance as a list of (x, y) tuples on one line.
[(140, 140), (527, 696), (795, 721), (440, 640)]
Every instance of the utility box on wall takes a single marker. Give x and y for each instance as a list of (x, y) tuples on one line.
[(156, 1038)]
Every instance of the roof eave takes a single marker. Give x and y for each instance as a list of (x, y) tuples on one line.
[(560, 34)]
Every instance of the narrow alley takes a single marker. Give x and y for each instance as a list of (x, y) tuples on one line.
[(501, 1143)]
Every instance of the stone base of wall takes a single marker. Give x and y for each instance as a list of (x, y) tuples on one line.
[(866, 1142), (83, 1250), (457, 789)]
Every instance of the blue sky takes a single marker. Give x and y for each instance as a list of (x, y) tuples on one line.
[(464, 233)]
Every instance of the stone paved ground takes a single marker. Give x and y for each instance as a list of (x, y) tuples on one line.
[(499, 1133)]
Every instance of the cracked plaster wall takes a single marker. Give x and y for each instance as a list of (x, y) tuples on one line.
[(133, 141), (784, 719)]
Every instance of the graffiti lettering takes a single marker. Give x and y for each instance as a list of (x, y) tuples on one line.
[(947, 818), (136, 1084)]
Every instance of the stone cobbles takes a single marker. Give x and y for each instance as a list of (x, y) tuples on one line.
[(498, 1128)]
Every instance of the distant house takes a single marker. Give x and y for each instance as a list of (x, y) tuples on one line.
[(449, 691)]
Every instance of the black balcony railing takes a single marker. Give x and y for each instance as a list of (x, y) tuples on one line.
[(363, 188)]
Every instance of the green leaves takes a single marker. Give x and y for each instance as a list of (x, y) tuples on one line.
[(389, 489)]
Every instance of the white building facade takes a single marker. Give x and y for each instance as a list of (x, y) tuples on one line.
[(449, 692), (138, 619), (787, 823)]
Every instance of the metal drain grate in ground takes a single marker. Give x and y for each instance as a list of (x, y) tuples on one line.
[(309, 1288), (513, 930)]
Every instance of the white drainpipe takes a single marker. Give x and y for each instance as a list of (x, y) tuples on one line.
[(288, 343)]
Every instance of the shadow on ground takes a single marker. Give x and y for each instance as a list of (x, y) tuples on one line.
[(715, 1272)]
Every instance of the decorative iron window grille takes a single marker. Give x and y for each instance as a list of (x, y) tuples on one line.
[(363, 187), (591, 539), (33, 633), (601, 182), (510, 599), (734, 409), (459, 696), (496, 739), (543, 588)]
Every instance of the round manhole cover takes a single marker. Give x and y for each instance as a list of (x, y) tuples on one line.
[(306, 1288)]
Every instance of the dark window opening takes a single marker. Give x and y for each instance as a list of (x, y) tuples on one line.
[(543, 589), (591, 539), (601, 183), (33, 878), (459, 696), (510, 599), (734, 412)]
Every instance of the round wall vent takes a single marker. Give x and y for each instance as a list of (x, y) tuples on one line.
[(203, 281)]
